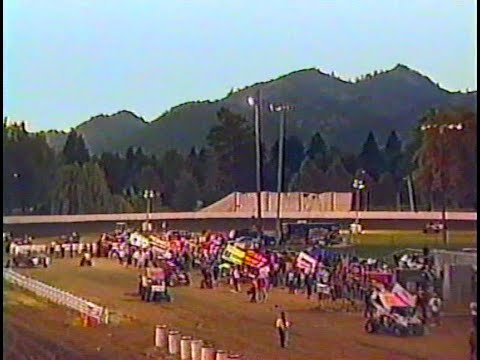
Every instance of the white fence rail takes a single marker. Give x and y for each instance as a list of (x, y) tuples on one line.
[(96, 312)]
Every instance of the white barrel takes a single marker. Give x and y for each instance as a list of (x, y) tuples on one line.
[(186, 348), (208, 353), (221, 355), (161, 336), (196, 346), (173, 342)]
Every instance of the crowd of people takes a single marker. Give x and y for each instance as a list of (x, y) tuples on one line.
[(328, 277), (335, 276)]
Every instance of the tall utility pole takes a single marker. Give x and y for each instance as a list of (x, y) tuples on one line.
[(358, 184), (148, 195), (280, 170), (410, 193), (442, 128), (256, 102), (443, 187)]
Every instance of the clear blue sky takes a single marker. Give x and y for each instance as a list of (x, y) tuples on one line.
[(68, 60)]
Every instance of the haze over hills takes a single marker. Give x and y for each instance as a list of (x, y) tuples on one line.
[(344, 112)]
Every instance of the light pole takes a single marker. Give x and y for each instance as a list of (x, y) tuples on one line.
[(282, 109), (411, 199), (148, 195), (256, 102), (16, 178), (358, 185), (442, 129)]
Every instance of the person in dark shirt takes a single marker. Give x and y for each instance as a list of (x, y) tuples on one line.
[(215, 273), (309, 285), (422, 305), (368, 311)]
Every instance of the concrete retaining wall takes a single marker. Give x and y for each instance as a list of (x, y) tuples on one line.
[(339, 215), (290, 202), (58, 228)]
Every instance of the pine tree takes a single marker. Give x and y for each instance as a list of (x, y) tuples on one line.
[(81, 189), (310, 178), (232, 144), (75, 150), (338, 177), (96, 197), (187, 193), (371, 159), (393, 153), (446, 161), (318, 151), (172, 164), (115, 171), (394, 163), (384, 192)]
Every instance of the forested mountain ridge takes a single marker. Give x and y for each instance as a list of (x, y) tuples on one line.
[(343, 111)]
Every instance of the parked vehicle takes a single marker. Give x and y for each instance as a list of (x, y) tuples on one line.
[(394, 318), (433, 227), (266, 240), (325, 234), (153, 286), (395, 323), (29, 261), (73, 238)]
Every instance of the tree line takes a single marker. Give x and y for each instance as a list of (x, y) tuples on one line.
[(36, 180)]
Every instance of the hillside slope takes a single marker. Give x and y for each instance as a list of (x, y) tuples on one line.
[(343, 111)]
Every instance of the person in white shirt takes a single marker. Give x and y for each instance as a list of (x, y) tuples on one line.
[(86, 259), (58, 250), (34, 261), (473, 313), (283, 326), (121, 255), (136, 257), (435, 305)]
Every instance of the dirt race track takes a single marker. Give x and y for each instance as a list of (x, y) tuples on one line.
[(231, 322), (37, 330)]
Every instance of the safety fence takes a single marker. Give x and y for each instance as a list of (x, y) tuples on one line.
[(58, 250), (93, 313)]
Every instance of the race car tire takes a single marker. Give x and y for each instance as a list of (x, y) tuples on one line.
[(418, 330), (399, 331)]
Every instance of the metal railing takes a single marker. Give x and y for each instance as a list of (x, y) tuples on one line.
[(98, 313)]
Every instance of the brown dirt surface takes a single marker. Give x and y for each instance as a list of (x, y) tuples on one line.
[(229, 321), (37, 330)]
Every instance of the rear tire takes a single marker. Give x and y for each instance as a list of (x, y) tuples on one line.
[(398, 331), (418, 330)]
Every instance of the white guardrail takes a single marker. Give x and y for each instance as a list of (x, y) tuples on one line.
[(98, 313)]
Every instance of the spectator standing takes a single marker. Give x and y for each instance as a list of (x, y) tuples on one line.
[(236, 279), (435, 305), (369, 308), (309, 285), (253, 291), (422, 304), (473, 313), (283, 326)]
